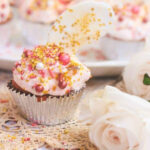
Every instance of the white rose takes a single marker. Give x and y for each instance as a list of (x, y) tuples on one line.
[(134, 74), (120, 121)]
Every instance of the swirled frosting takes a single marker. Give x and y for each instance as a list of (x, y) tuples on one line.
[(49, 70), (5, 11), (132, 21), (42, 11)]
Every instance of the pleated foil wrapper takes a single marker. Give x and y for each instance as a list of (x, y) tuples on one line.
[(51, 111)]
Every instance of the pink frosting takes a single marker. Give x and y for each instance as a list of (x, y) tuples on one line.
[(47, 70), (39, 11), (5, 11), (132, 22)]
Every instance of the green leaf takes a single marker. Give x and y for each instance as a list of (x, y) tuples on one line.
[(146, 79)]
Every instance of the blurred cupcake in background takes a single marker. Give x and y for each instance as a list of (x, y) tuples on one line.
[(37, 16), (130, 29), (6, 26), (47, 84)]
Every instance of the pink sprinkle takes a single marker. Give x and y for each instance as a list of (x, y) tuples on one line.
[(3, 101), (22, 78), (34, 124), (26, 139), (22, 72), (17, 64), (120, 19), (145, 20), (39, 88), (38, 3), (33, 76), (51, 73), (3, 6), (42, 73), (29, 12), (2, 15), (30, 67), (28, 53), (64, 1), (64, 58), (135, 9), (61, 82)]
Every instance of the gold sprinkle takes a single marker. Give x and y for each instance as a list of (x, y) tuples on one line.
[(66, 131), (42, 139), (59, 136), (22, 140), (54, 88), (45, 92), (110, 14), (93, 14), (92, 9), (81, 73), (58, 21), (41, 80), (61, 28), (54, 28), (102, 24), (13, 137), (4, 109), (88, 38), (19, 69), (70, 10)]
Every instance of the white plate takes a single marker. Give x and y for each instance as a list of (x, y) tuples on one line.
[(106, 68), (103, 68), (92, 58), (10, 54)]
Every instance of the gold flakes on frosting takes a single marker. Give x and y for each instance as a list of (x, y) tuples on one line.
[(81, 24)]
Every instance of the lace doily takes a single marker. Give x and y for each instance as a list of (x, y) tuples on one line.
[(16, 133)]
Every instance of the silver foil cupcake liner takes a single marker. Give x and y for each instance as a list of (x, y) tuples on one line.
[(48, 110)]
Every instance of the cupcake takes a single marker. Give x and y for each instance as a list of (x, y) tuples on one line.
[(46, 83), (36, 18), (130, 29), (49, 80), (5, 22)]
